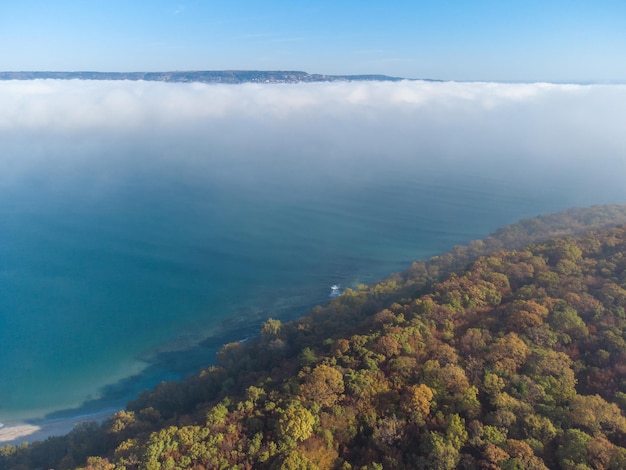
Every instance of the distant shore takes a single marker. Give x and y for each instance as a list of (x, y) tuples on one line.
[(17, 433), (229, 77)]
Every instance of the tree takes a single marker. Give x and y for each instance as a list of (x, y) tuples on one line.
[(595, 414), (493, 456), (324, 385), (295, 423), (523, 314), (552, 371), (98, 463), (455, 431), (508, 353), (416, 401), (441, 454), (572, 450), (271, 329), (295, 461)]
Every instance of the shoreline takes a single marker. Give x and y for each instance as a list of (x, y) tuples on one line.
[(40, 430), (62, 422)]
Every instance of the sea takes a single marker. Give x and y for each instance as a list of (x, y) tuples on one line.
[(115, 276)]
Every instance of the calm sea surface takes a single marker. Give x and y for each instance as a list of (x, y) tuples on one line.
[(94, 287)]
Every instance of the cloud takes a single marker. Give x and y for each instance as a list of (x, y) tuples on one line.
[(123, 105), (306, 131)]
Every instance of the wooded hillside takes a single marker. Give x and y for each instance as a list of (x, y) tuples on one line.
[(481, 358)]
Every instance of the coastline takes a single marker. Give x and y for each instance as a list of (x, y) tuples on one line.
[(176, 359), (19, 432)]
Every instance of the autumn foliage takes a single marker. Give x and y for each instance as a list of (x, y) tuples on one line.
[(484, 358)]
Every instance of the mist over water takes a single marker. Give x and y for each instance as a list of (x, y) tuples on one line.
[(137, 218)]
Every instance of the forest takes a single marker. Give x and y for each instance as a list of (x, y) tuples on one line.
[(508, 353)]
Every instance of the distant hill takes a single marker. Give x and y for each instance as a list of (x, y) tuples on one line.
[(205, 76)]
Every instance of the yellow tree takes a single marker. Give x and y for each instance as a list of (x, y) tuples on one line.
[(416, 402), (295, 424)]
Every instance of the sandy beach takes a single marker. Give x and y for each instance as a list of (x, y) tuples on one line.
[(26, 432)]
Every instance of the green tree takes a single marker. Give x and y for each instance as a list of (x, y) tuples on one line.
[(441, 454), (572, 450)]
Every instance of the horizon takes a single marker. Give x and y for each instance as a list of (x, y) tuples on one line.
[(559, 42), (284, 70)]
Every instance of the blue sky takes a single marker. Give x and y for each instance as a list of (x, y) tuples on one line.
[(503, 40)]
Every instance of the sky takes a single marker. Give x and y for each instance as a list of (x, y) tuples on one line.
[(483, 40)]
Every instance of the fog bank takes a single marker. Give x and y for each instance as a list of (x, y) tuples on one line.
[(298, 132)]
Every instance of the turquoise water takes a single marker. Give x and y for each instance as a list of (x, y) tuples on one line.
[(94, 285)]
